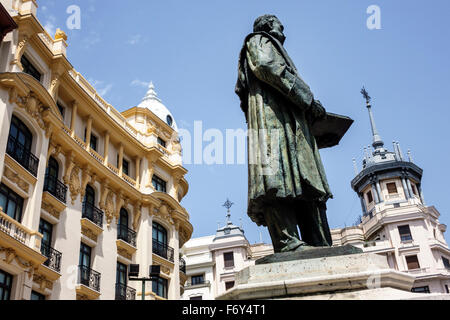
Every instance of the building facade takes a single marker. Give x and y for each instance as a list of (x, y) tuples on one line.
[(85, 190), (396, 222), (212, 262)]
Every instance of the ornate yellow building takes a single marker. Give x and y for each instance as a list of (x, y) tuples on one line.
[(85, 190)]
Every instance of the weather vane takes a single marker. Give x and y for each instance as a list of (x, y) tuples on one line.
[(366, 95)]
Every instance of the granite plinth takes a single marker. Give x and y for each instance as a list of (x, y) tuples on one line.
[(309, 254)]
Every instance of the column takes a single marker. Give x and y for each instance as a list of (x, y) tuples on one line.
[(138, 172), (375, 194), (380, 195), (106, 148), (405, 189), (88, 133), (363, 205), (72, 121), (408, 183), (120, 164)]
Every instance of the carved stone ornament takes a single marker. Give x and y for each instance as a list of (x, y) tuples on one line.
[(15, 177), (74, 184), (88, 233), (109, 208), (164, 211)]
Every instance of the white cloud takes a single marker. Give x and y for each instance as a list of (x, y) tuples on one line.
[(139, 83), (135, 39), (101, 87), (49, 25)]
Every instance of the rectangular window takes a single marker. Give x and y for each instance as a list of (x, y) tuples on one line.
[(229, 285), (414, 189), (446, 263), (61, 109), (11, 203), (5, 285), (425, 289), (446, 289), (85, 255), (228, 259), (30, 69), (125, 167), (200, 279), (121, 274), (159, 286), (37, 296), (392, 188), (369, 197), (196, 298), (405, 233), (94, 140), (159, 184), (412, 262), (161, 142)]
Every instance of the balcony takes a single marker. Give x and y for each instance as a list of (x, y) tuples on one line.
[(53, 257), (197, 284), (93, 214), (89, 278), (56, 188), (183, 266), (163, 250), (24, 157), (126, 234), (125, 293)]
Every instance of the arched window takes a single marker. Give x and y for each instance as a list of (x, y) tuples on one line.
[(19, 145), (159, 242)]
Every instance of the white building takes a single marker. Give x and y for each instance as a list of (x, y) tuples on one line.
[(396, 221), (213, 261)]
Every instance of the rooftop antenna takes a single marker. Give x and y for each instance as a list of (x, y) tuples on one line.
[(409, 156), (399, 151)]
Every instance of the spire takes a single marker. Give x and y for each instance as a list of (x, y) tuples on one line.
[(151, 93), (377, 142)]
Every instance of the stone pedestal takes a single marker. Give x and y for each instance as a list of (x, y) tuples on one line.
[(358, 276)]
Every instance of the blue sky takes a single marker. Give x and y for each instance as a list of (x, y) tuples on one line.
[(189, 49)]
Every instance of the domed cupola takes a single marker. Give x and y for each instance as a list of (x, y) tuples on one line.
[(387, 178), (155, 105)]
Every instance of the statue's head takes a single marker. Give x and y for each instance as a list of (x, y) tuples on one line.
[(270, 24)]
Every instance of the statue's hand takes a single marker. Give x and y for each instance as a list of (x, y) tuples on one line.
[(318, 110)]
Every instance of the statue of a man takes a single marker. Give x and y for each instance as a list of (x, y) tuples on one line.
[(275, 99)]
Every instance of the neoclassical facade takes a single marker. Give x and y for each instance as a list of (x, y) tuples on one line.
[(85, 190), (396, 222)]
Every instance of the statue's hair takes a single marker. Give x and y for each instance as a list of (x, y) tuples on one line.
[(264, 23)]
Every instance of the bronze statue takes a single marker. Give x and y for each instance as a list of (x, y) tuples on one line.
[(280, 106)]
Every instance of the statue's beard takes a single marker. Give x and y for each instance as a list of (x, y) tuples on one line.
[(278, 35)]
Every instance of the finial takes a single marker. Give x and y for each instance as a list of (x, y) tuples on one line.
[(59, 34), (377, 142), (409, 156), (366, 95), (399, 151), (151, 93), (228, 204)]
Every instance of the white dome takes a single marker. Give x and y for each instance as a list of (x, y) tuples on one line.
[(154, 104)]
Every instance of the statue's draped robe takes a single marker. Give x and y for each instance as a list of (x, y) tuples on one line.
[(274, 97)]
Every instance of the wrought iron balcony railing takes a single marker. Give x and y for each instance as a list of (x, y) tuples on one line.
[(93, 213), (19, 153), (54, 257), (163, 250), (127, 235), (183, 266), (56, 188), (88, 277), (125, 293)]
